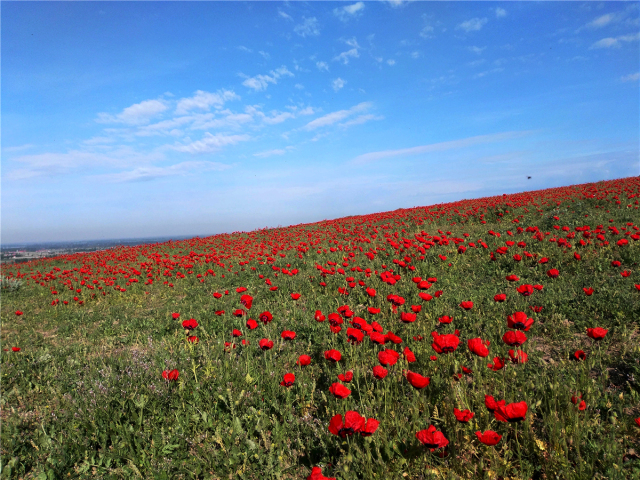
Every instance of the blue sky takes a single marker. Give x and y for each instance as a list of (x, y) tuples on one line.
[(150, 119)]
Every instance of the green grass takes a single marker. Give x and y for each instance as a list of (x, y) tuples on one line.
[(85, 397)]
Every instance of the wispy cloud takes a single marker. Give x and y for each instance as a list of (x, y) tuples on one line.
[(308, 28), (204, 101), (632, 77), (261, 82), (211, 143), (472, 25), (439, 147), (335, 117), (145, 174), (351, 53), (18, 148), (616, 42), (348, 12), (284, 15), (500, 12), (337, 84), (360, 119), (322, 66), (271, 153), (477, 50), (136, 114)]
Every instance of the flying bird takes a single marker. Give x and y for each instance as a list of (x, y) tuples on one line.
[(528, 178)]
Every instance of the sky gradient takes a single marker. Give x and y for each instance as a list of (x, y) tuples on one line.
[(148, 119)]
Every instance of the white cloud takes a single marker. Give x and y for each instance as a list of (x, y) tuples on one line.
[(136, 114), (260, 82), (270, 153), (352, 53), (211, 143), (415, 54), (610, 42), (477, 50), (334, 117), (322, 66), (308, 28), (438, 147), (307, 111), (500, 12), (348, 12), (205, 100), (601, 21), (245, 49), (632, 77), (475, 63), (391, 61), (426, 32), (360, 119), (472, 25), (299, 86), (487, 72), (284, 15), (142, 174), (337, 84), (18, 148)]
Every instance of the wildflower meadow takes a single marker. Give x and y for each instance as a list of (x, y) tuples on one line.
[(491, 338)]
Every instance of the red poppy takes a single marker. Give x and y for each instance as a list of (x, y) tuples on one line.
[(265, 344), (170, 375), (373, 311), (220, 312), (380, 372), (247, 301), (425, 296), (303, 360), (463, 416), (18, 312), (478, 346), (347, 377), (339, 390), (15, 349), (416, 308), (622, 241), (238, 312), (543, 260), (417, 381), (175, 316), (445, 343), (596, 333), (518, 356), (288, 380), (408, 354), (316, 474), (466, 371), (637, 420), (252, 324), (353, 423), (217, 295), (512, 278), (189, 324), (498, 364), (553, 273), (519, 321), (319, 316), (489, 437), (431, 438), (445, 319), (193, 339), (535, 309), (388, 357), (579, 355), (370, 427), (514, 339), (491, 403), (525, 290), (288, 335), (240, 290), (354, 335), (408, 317), (513, 412), (467, 305), (333, 355), (500, 297), (538, 287), (588, 291), (236, 333), (371, 292), (295, 296), (438, 294), (266, 317), (392, 337), (377, 337)]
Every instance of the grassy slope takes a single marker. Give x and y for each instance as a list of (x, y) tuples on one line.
[(85, 397)]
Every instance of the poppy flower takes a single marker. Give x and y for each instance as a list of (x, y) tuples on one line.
[(265, 344), (432, 438), (408, 354), (637, 420), (193, 339), (535, 309), (622, 241), (596, 333), (316, 474), (333, 355), (273, 289), (615, 263), (371, 292), (519, 321), (463, 416), (347, 377), (433, 358), (514, 339), (425, 296), (500, 297), (543, 260), (252, 324), (373, 311), (353, 423), (236, 333), (579, 355), (217, 295), (18, 312), (219, 312), (247, 301), (170, 375), (466, 371), (445, 319), (304, 360), (417, 381), (416, 308), (388, 357), (512, 278), (513, 412), (319, 316), (553, 273), (266, 317), (379, 372), (175, 316), (538, 287), (445, 343), (491, 403), (478, 346), (339, 390), (588, 291), (518, 356), (467, 305), (392, 337), (189, 324), (15, 349), (370, 427), (498, 364), (238, 312), (525, 290), (288, 335), (295, 296), (377, 337), (354, 335), (408, 317), (288, 380), (489, 437)]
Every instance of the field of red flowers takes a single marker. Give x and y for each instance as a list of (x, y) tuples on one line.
[(491, 338)]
